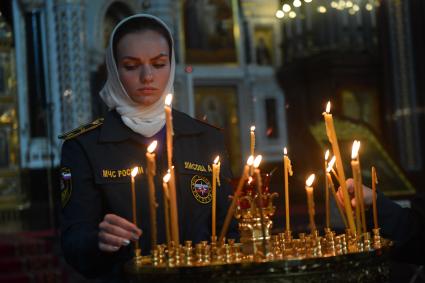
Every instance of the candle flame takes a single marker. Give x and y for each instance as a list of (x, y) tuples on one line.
[(166, 177), (331, 164), (285, 151), (216, 159), (327, 155), (328, 107), (134, 171), (257, 161), (250, 180), (252, 128), (310, 180), (168, 99), (152, 146), (355, 149), (250, 160)]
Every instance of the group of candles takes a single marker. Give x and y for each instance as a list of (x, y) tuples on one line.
[(357, 224)]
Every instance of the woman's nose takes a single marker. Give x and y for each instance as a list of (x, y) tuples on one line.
[(146, 74)]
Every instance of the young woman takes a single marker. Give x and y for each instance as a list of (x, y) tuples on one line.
[(96, 228)]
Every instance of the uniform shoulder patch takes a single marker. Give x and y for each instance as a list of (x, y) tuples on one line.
[(66, 185), (81, 130), (201, 189)]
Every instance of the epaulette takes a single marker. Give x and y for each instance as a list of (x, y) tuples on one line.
[(81, 130), (205, 122)]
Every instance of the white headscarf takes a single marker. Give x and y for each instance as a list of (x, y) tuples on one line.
[(145, 120)]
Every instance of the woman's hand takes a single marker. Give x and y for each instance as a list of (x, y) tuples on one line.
[(115, 231), (367, 194)]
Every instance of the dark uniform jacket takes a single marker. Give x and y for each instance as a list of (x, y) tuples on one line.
[(405, 226), (96, 178)]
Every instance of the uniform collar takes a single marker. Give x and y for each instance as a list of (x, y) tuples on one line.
[(114, 130)]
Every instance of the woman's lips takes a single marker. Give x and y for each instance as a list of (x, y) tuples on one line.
[(147, 90)]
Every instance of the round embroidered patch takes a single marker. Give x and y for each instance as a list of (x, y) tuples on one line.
[(66, 185), (201, 189)]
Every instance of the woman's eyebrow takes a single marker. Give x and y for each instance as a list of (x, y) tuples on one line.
[(159, 56), (128, 57)]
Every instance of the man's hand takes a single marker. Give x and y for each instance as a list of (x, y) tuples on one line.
[(367, 194), (115, 231)]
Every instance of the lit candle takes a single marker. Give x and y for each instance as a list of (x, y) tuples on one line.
[(215, 178), (134, 173), (310, 201), (374, 183), (172, 182), (252, 146), (169, 129), (332, 189), (166, 199), (327, 204), (358, 192), (151, 172), (330, 130), (287, 170), (236, 195), (259, 183)]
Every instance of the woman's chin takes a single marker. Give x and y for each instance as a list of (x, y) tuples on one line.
[(145, 100)]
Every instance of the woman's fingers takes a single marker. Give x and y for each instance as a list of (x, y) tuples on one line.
[(108, 248), (123, 223), (112, 240)]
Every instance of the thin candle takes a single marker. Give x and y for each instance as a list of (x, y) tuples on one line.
[(151, 172), (375, 211), (169, 129), (252, 146), (232, 207), (310, 201), (174, 213), (358, 192), (134, 173), (332, 189), (166, 199), (215, 176), (287, 170), (330, 130), (327, 204), (259, 183)]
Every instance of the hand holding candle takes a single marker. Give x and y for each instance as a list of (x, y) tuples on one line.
[(151, 172), (310, 201), (330, 130), (332, 189)]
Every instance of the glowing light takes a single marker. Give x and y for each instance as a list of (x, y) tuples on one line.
[(166, 177), (331, 164), (285, 151), (280, 14), (292, 14), (286, 8), (297, 3), (369, 7), (307, 1), (334, 5), (321, 9), (216, 159), (257, 161), (310, 180), (152, 146), (168, 99), (328, 107), (327, 154), (349, 4), (252, 128), (134, 171), (250, 160), (355, 149), (356, 7), (351, 11)]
